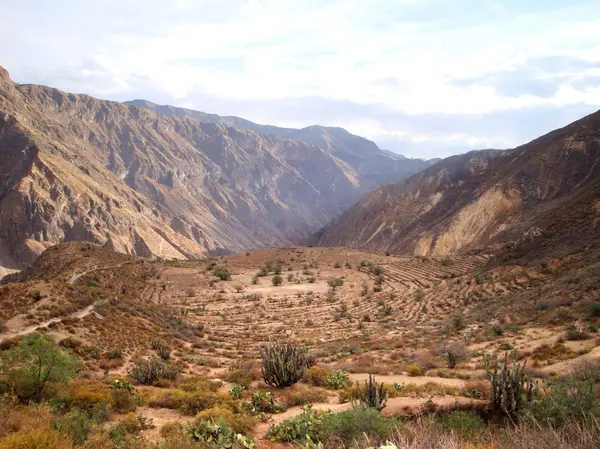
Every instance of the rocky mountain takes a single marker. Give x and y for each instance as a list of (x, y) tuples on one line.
[(542, 196), (375, 166), (73, 167)]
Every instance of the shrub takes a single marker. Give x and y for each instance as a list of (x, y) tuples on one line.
[(254, 280), (311, 280), (36, 362), (242, 423), (222, 273), (115, 353), (352, 425), (372, 395), (130, 423), (594, 310), (462, 422), (150, 371), (122, 400), (240, 376), (458, 321), (299, 429), (218, 435), (283, 364), (413, 370), (35, 439), (317, 376), (300, 394), (338, 380), (576, 334), (260, 403), (454, 353), (508, 385), (277, 280), (74, 424), (565, 401), (334, 283)]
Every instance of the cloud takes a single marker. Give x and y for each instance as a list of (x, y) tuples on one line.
[(423, 75)]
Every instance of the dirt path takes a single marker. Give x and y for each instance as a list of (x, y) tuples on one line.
[(401, 379), (10, 324), (401, 406)]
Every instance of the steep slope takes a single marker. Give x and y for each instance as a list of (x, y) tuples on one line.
[(375, 166), (543, 195), (76, 168)]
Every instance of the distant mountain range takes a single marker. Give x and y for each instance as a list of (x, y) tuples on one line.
[(375, 166), (168, 182)]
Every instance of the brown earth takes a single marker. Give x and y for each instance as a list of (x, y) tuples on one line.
[(538, 200)]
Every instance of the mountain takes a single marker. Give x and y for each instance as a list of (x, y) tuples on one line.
[(374, 165), (543, 196), (73, 167)]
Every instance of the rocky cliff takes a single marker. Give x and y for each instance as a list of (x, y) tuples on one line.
[(544, 195), (374, 166), (73, 167)]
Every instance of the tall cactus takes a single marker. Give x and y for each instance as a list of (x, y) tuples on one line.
[(372, 395), (510, 386), (283, 364)]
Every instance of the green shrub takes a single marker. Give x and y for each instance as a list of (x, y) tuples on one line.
[(222, 273), (34, 363), (298, 429), (115, 353), (352, 425), (261, 403), (283, 364), (74, 424), (462, 422), (338, 380), (277, 280), (562, 402), (218, 435)]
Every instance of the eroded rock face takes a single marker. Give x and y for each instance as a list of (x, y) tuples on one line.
[(487, 199), (374, 166), (76, 168)]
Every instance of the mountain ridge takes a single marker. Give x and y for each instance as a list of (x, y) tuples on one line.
[(485, 200), (75, 167), (362, 154)]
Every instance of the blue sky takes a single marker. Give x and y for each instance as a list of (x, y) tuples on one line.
[(421, 77)]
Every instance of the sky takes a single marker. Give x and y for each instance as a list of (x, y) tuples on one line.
[(425, 78)]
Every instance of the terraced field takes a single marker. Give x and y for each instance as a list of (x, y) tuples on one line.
[(379, 296)]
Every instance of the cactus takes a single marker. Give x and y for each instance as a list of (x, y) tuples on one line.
[(510, 387), (283, 365), (372, 395)]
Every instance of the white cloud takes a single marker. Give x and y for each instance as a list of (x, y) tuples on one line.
[(257, 51)]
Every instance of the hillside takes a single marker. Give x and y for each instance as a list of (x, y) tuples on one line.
[(77, 168), (375, 166), (542, 196)]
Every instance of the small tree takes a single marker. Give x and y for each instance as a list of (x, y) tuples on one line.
[(35, 362), (334, 283), (222, 273), (277, 280), (454, 353)]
